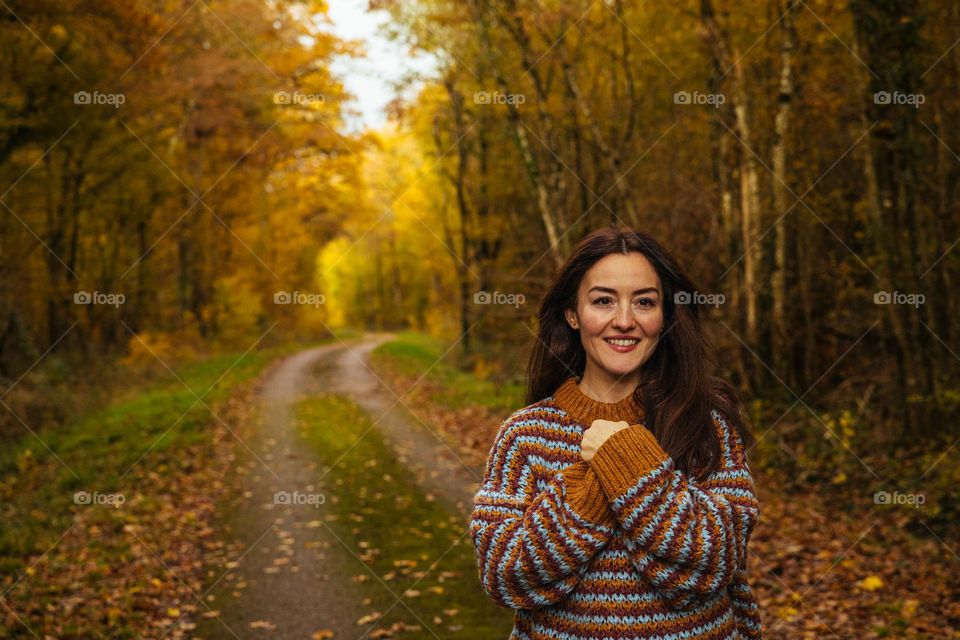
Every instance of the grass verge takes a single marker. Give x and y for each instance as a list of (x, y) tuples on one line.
[(71, 568), (412, 354)]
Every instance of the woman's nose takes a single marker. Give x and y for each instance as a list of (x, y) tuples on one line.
[(624, 319)]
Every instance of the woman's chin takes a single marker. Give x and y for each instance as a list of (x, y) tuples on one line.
[(621, 369)]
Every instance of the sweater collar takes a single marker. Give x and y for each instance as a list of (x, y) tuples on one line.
[(585, 409)]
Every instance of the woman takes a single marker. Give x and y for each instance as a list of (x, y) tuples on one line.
[(619, 503)]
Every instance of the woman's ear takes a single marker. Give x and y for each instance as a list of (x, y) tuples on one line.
[(571, 318)]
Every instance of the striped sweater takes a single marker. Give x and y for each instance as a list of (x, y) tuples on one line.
[(625, 546)]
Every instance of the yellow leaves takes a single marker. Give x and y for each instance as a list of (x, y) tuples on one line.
[(788, 613), (236, 306), (25, 460), (482, 368), (370, 617), (263, 624), (396, 627), (58, 32), (147, 347), (842, 427), (325, 634), (909, 608), (871, 583), (173, 612)]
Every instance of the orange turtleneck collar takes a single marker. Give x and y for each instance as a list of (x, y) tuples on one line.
[(585, 409)]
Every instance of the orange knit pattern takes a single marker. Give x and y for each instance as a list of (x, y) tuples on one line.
[(626, 546)]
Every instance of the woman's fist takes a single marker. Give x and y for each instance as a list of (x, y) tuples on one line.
[(597, 434)]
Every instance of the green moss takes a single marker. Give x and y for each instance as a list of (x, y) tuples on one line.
[(383, 515)]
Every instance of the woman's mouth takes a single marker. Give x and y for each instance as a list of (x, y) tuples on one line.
[(622, 345)]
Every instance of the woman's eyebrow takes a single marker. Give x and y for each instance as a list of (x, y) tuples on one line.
[(609, 290)]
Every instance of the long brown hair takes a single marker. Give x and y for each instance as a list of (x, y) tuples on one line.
[(677, 387)]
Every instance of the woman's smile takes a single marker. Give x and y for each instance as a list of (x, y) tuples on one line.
[(622, 344)]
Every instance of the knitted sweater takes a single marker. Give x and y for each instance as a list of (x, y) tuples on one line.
[(626, 546)]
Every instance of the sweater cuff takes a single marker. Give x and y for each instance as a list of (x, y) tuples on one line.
[(585, 495), (625, 457)]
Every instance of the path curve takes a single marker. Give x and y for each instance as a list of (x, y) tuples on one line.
[(292, 574), (438, 468)]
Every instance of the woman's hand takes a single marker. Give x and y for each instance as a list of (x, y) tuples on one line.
[(597, 434)]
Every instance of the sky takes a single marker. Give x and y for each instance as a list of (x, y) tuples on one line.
[(370, 79)]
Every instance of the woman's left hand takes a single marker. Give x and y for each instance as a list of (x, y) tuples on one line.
[(597, 434)]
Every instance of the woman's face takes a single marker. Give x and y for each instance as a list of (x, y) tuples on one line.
[(619, 301)]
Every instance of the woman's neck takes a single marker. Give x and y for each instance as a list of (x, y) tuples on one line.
[(586, 409), (604, 388)]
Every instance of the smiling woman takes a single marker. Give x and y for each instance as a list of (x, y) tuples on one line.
[(619, 503), (619, 325)]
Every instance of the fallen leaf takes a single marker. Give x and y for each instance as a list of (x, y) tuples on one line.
[(871, 583), (263, 624)]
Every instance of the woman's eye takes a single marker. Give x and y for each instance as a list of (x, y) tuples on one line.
[(647, 302), (601, 299)]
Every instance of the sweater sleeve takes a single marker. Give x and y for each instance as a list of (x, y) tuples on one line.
[(687, 539), (533, 547)]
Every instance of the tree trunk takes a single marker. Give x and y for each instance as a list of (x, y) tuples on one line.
[(727, 57), (780, 337)]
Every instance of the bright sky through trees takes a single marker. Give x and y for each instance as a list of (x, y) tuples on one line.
[(371, 79)]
